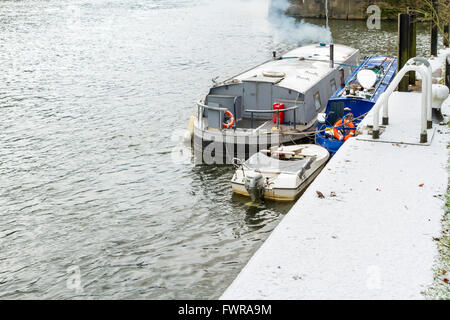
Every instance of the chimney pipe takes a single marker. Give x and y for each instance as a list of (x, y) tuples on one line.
[(332, 55)]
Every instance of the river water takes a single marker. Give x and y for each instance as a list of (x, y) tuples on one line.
[(98, 200)]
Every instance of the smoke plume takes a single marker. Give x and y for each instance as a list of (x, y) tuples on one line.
[(289, 29)]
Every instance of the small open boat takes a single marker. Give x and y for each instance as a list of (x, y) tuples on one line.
[(280, 173)]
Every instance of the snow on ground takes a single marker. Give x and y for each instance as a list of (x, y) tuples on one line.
[(371, 237), (437, 65), (439, 61)]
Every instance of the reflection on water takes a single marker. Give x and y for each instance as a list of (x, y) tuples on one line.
[(94, 96)]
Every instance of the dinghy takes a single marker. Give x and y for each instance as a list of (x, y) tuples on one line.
[(280, 173)]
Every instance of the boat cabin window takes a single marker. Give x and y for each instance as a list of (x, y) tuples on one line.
[(317, 100), (333, 85)]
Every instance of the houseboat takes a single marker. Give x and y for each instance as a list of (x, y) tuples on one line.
[(348, 106)]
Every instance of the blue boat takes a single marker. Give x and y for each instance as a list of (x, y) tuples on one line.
[(348, 106)]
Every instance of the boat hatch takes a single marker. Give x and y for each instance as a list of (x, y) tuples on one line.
[(261, 78)]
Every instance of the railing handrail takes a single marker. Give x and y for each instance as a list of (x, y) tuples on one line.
[(201, 105), (205, 106), (272, 111), (425, 72), (425, 89)]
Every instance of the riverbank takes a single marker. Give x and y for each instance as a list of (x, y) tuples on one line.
[(373, 235), (440, 289)]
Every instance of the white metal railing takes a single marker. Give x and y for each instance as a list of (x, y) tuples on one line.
[(277, 111), (426, 74), (201, 107), (429, 89)]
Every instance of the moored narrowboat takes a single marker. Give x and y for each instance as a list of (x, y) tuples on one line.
[(348, 106), (271, 104)]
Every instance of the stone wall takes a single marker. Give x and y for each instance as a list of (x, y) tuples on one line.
[(340, 9)]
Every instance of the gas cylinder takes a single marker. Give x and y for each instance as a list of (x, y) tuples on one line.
[(278, 106)]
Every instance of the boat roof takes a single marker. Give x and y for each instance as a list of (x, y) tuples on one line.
[(303, 67), (389, 65)]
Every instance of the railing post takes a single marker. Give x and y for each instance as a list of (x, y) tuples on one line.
[(202, 110), (429, 94), (428, 88), (295, 118), (198, 115), (251, 122), (385, 118), (424, 120), (278, 119), (235, 114), (376, 134), (423, 137), (385, 112)]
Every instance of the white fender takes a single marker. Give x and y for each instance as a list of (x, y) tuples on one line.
[(440, 94)]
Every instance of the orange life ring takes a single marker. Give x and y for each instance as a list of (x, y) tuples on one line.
[(230, 123), (338, 134)]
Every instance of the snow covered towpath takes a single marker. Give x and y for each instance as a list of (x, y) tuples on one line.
[(364, 229)]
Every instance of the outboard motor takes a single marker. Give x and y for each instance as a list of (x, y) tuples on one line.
[(254, 184)]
